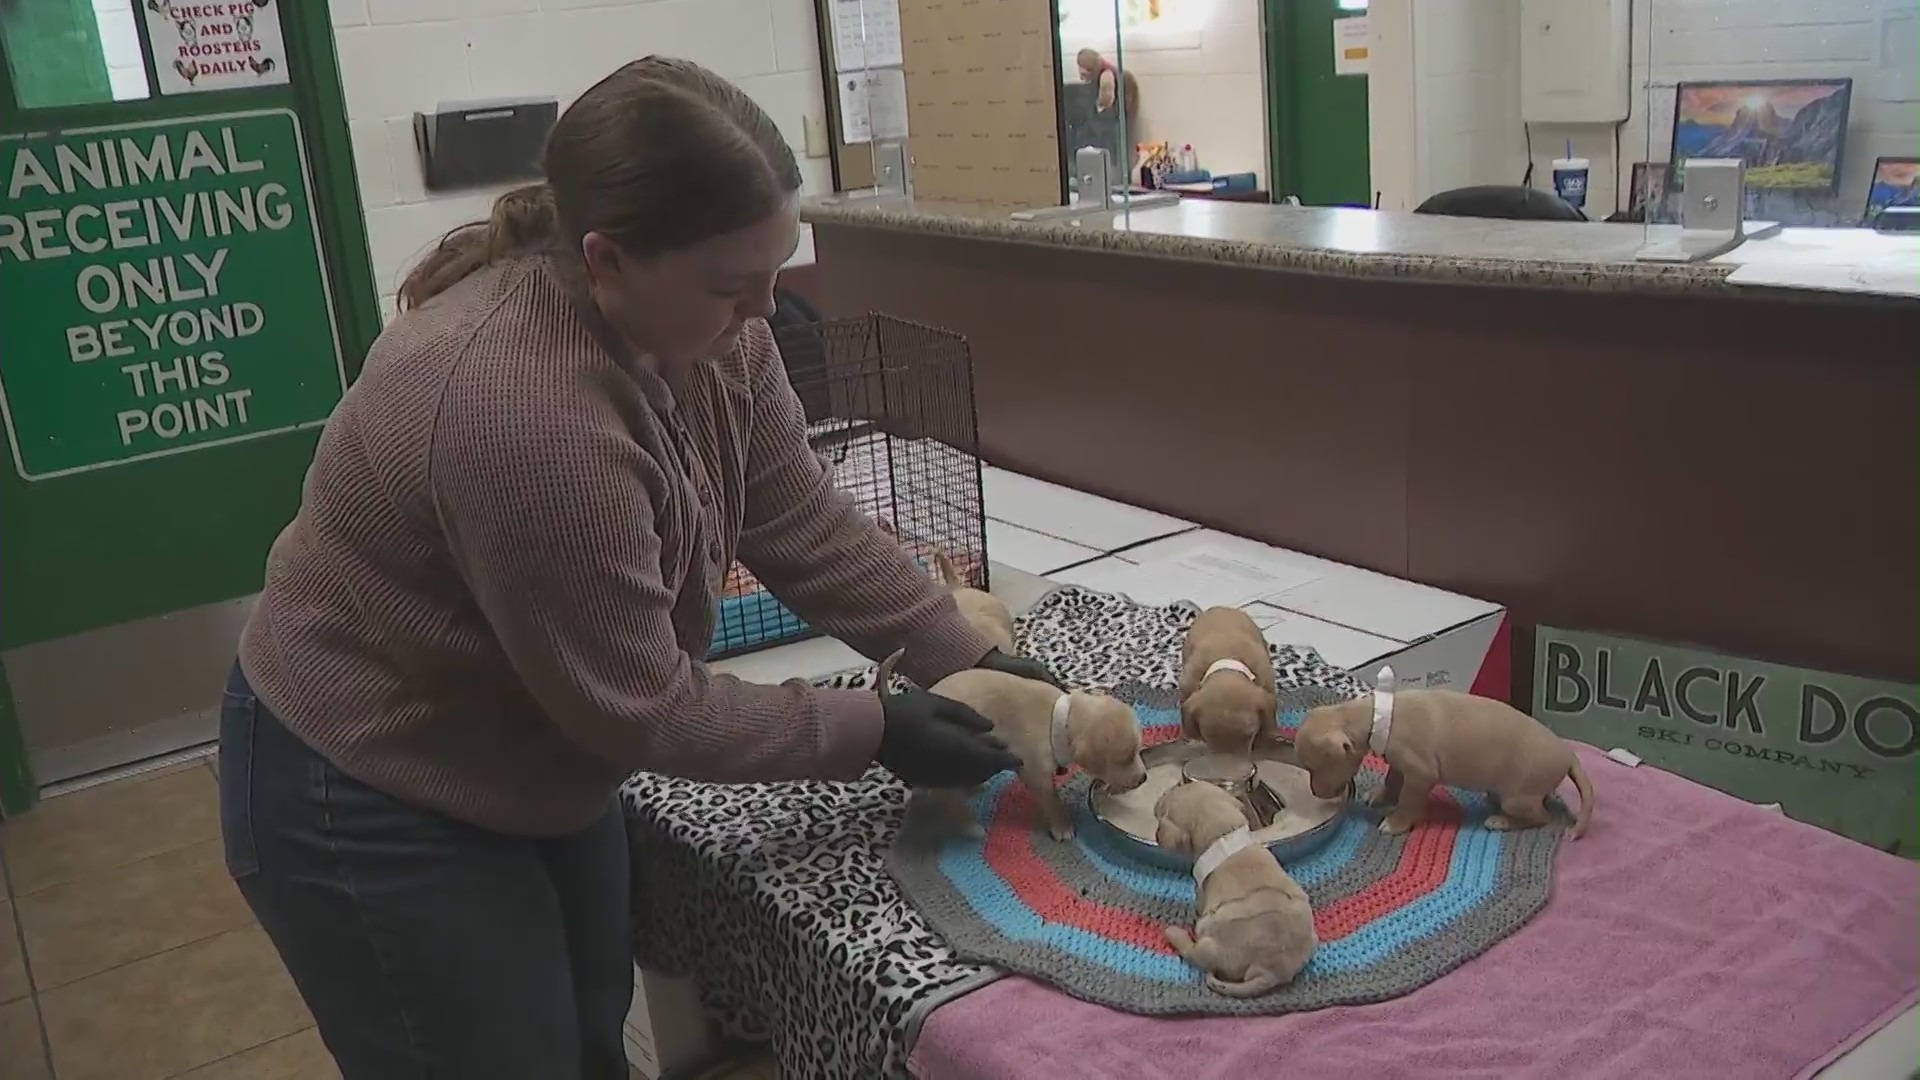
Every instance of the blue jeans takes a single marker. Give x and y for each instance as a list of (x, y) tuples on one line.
[(426, 948)]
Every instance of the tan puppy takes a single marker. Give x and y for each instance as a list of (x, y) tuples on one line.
[(1049, 730), (983, 610), (1433, 737), (1227, 694), (1255, 927)]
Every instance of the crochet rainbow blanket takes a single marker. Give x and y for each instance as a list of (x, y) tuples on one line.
[(1393, 913)]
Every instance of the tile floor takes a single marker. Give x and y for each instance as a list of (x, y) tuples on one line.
[(125, 950), (127, 954)]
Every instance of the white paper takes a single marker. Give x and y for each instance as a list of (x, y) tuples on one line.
[(866, 34), (1350, 44), (1233, 578), (1206, 577), (1884, 281), (873, 105), (201, 46), (1837, 260), (1156, 585)]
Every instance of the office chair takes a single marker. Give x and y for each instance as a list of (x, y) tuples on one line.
[(803, 348), (1508, 202)]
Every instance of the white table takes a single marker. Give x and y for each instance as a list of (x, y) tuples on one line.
[(1036, 523)]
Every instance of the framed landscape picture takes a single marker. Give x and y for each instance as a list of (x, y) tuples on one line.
[(1790, 132)]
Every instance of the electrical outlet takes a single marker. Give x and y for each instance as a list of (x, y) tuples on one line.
[(819, 142)]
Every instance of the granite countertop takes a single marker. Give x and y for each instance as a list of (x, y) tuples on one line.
[(1589, 256)]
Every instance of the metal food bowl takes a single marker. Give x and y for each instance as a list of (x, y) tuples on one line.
[(1240, 778), (1271, 788)]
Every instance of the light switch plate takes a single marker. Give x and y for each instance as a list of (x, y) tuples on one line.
[(819, 144)]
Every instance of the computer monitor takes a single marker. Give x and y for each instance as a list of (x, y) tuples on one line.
[(1896, 182)]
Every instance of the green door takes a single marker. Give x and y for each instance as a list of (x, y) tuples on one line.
[(185, 291), (1318, 119)]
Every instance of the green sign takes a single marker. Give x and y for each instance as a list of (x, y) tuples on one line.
[(1833, 750), (161, 290)]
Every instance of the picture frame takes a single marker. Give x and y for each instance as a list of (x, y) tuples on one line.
[(1896, 182), (1648, 189), (1792, 133)]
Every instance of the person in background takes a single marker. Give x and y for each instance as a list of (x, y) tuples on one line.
[(1110, 81), (494, 602)]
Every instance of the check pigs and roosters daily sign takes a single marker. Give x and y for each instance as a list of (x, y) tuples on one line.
[(201, 45)]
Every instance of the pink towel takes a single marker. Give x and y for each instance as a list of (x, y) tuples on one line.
[(1690, 934)]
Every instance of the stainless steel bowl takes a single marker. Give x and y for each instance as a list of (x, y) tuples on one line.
[(1240, 778), (1264, 799)]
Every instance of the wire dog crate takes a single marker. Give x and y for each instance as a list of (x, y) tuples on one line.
[(889, 405)]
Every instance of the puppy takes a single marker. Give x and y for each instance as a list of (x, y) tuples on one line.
[(1433, 737), (1227, 695), (1255, 927), (1049, 730), (982, 609)]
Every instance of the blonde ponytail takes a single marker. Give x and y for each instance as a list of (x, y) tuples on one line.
[(523, 221)]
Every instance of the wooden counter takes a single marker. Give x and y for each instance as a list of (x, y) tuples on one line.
[(1516, 411)]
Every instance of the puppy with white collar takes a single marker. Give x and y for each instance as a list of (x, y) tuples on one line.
[(1431, 737), (1049, 730), (984, 611), (1255, 927), (1228, 698)]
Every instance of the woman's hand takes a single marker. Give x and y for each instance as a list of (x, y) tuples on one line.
[(1025, 667), (934, 741)]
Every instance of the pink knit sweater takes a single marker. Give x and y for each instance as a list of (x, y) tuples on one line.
[(496, 597)]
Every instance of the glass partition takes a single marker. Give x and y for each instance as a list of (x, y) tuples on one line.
[(1174, 90), (1096, 95), (1821, 101), (964, 94), (866, 108), (994, 101)]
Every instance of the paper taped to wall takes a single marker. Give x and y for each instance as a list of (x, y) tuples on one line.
[(866, 34), (873, 105), (1351, 38)]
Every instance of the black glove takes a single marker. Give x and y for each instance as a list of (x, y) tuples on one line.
[(934, 741), (1026, 668)]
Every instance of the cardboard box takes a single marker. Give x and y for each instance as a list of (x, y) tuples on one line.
[(666, 1030), (1355, 619)]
